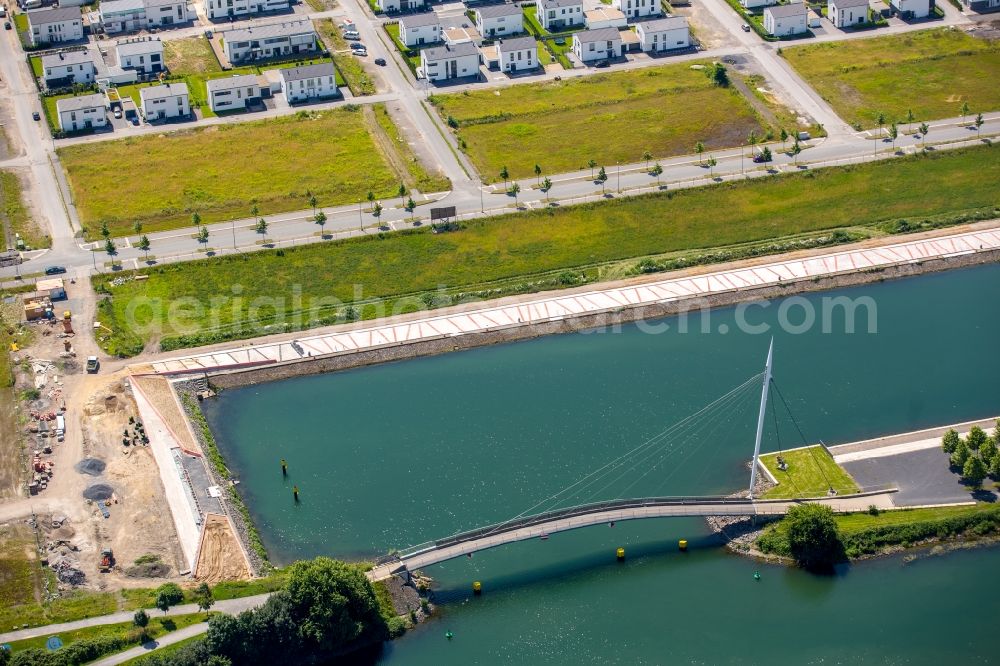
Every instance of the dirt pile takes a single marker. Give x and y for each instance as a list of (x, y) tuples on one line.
[(98, 492), (90, 466)]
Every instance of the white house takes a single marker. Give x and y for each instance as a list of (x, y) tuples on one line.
[(559, 15), (604, 17), (638, 8), (217, 10), (982, 6), (270, 41), (81, 113), (309, 82), (122, 15), (664, 34), (912, 9), (451, 61), (165, 13), (391, 6), (65, 68), (786, 20), (517, 54), (601, 44), (144, 54), (233, 93), (499, 20), (845, 13), (420, 29), (757, 4), (163, 102), (51, 26)]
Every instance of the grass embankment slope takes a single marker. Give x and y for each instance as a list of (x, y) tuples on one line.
[(866, 534), (929, 72), (561, 125), (219, 171), (811, 472), (520, 247)]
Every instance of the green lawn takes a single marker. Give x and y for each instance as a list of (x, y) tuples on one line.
[(561, 125), (348, 66), (158, 626), (810, 473), (191, 55), (521, 247), (930, 72), (36, 66), (853, 523), (21, 22), (14, 213), (219, 171), (165, 650)]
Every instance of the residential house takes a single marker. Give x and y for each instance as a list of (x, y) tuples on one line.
[(604, 17), (664, 34), (81, 113), (983, 6), (451, 61), (458, 34), (144, 55), (63, 69), (517, 54), (600, 44), (165, 13), (52, 26), (786, 20), (217, 10), (392, 6), (309, 82), (499, 20), (757, 4), (233, 93), (912, 9), (122, 15), (420, 29), (270, 41), (634, 9), (164, 102), (559, 15), (845, 13)]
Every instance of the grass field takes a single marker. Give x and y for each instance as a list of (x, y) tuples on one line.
[(523, 246), (561, 125), (14, 214), (158, 626), (349, 67), (929, 72), (192, 55), (811, 472), (329, 153)]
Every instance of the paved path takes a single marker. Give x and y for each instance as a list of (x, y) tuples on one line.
[(147, 648), (358, 338), (929, 438)]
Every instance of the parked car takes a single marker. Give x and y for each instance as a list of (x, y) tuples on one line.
[(361, 53), (357, 45), (55, 270), (36, 116), (380, 62), (601, 64), (560, 41), (208, 34), (352, 34), (117, 113), (6, 25), (745, 27), (92, 364)]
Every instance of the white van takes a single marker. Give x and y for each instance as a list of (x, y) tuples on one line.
[(60, 427)]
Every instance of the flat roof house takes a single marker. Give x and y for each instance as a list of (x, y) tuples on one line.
[(309, 82), (451, 61), (122, 15), (559, 15), (757, 4), (663, 34), (845, 13), (638, 8), (217, 10), (786, 20), (81, 113), (912, 9), (499, 20), (420, 29), (517, 54), (233, 93), (51, 26), (65, 68), (392, 6), (270, 41), (983, 5), (165, 13), (600, 44), (164, 102), (144, 54), (604, 17)]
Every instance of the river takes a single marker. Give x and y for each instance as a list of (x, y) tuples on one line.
[(393, 455)]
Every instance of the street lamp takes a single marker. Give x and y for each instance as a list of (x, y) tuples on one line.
[(232, 221), (482, 208), (618, 167), (741, 158)]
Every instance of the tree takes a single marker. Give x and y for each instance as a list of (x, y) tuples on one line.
[(765, 155), (320, 219), (699, 148), (505, 175), (137, 227), (712, 163), (979, 124), (974, 471), (195, 219), (964, 110), (515, 189), (144, 246), (371, 197), (960, 455), (538, 175), (261, 228), (995, 467), (401, 193), (105, 231), (910, 118), (893, 135), (880, 121), (988, 451), (410, 205), (592, 164), (377, 213), (546, 186), (950, 441), (996, 434), (813, 537), (975, 438), (719, 75), (312, 202), (602, 178), (140, 619), (254, 210), (646, 156), (924, 129), (167, 595), (796, 149), (203, 596), (111, 249), (784, 137), (203, 236), (657, 170)]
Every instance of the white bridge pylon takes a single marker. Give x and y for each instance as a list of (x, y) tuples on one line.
[(760, 417)]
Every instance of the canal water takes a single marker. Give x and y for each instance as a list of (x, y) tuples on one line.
[(393, 455)]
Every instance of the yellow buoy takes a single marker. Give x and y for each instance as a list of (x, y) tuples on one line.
[(682, 544), (620, 554), (477, 587)]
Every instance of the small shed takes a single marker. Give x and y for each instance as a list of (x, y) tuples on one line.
[(53, 287)]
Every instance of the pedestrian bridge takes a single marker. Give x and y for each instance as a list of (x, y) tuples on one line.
[(586, 515)]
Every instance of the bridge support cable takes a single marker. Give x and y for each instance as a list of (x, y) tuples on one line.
[(594, 476), (805, 442), (760, 417)]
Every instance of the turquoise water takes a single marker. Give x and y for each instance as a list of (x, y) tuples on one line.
[(397, 454)]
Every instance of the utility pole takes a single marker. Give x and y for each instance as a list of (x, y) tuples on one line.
[(760, 417)]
